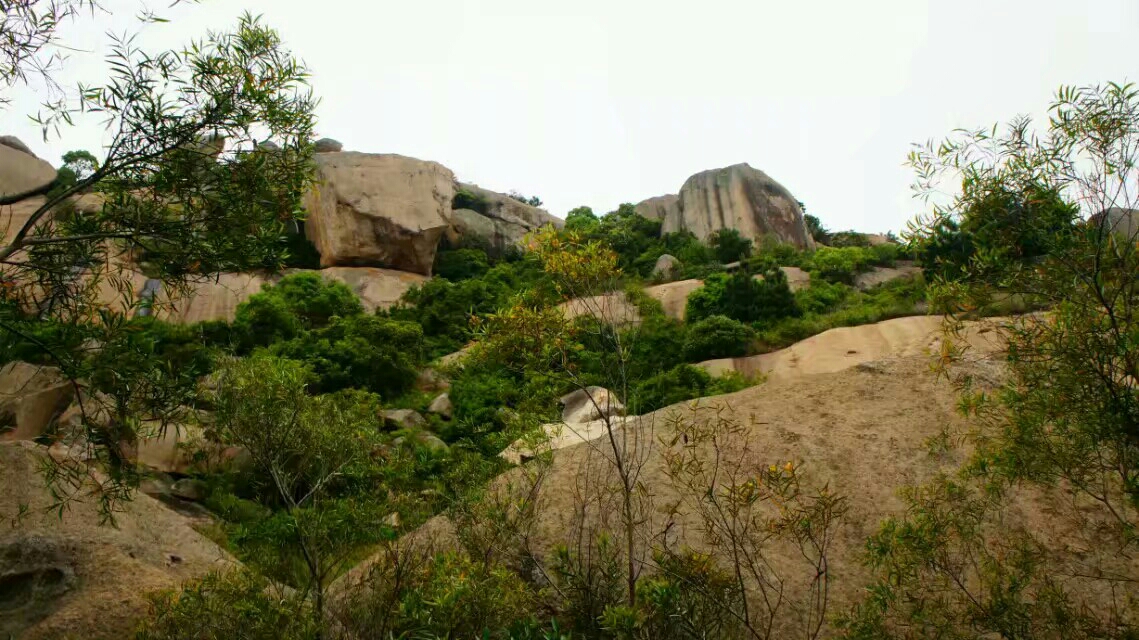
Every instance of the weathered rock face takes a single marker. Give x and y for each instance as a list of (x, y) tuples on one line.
[(660, 208), (68, 574), (21, 172), (441, 406), (589, 404), (505, 222), (377, 288), (1124, 222), (379, 210), (31, 397), (737, 197), (666, 268)]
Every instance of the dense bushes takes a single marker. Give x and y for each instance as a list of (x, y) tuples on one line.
[(461, 264), (1000, 225), (364, 352), (741, 297), (729, 246), (297, 303), (717, 337), (682, 382), (444, 308)]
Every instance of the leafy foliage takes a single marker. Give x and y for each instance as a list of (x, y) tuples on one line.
[(744, 298), (220, 606), (717, 337), (729, 246)]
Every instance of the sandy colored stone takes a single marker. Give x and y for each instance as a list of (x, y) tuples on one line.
[(846, 347), (1121, 221), (673, 296), (611, 308), (378, 210), (442, 406), (31, 398), (377, 288), (589, 404), (742, 198), (505, 222), (404, 419), (101, 573), (21, 173), (660, 208)]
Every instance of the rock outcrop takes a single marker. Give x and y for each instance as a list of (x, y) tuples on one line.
[(404, 419), (501, 220), (660, 208), (1124, 222), (737, 197), (217, 298), (666, 268), (442, 406), (31, 398), (22, 174), (68, 574), (611, 308), (673, 296), (589, 404), (379, 210)]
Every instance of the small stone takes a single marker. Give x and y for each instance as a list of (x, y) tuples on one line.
[(328, 145), (442, 406), (404, 419)]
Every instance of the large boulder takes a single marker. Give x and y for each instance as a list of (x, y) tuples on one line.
[(379, 210), (666, 268), (1120, 221), (67, 573), (31, 398), (737, 197), (184, 449), (673, 296), (660, 208), (499, 221), (22, 174)]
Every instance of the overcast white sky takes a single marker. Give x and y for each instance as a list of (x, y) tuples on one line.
[(599, 102)]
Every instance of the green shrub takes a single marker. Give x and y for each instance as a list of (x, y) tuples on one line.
[(582, 220), (717, 337), (364, 352), (844, 239), (298, 302), (729, 246), (821, 296), (465, 199), (744, 298), (678, 384), (222, 606), (840, 264), (461, 264)]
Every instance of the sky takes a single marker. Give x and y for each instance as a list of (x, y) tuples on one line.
[(599, 102)]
